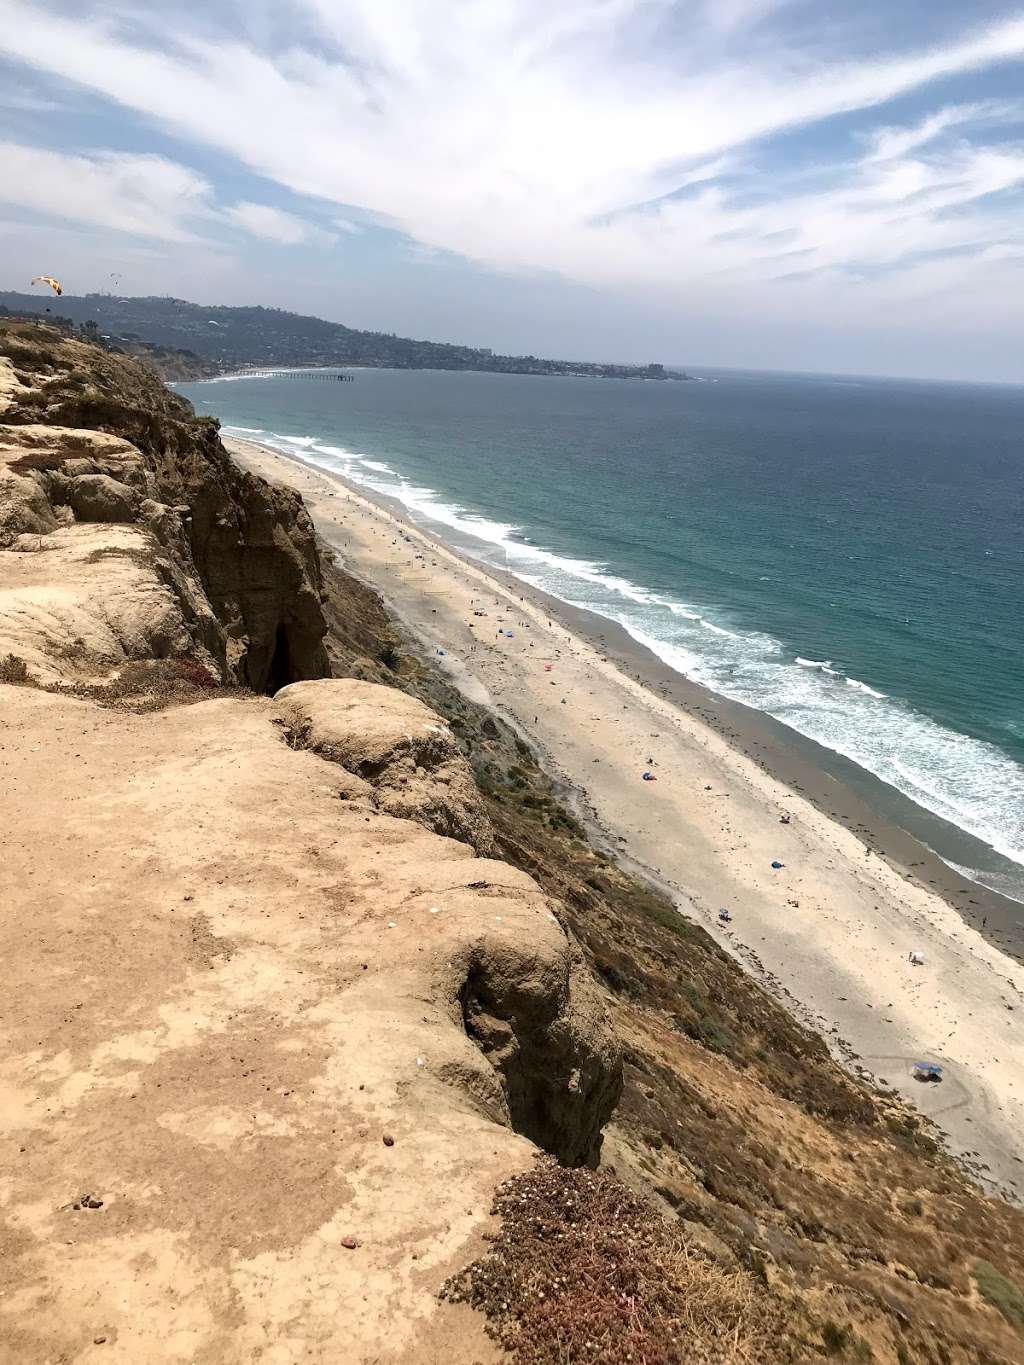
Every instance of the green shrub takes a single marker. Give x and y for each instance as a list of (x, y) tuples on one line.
[(1001, 1293)]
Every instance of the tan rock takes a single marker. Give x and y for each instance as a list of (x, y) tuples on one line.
[(85, 600), (92, 437), (407, 753), (222, 986)]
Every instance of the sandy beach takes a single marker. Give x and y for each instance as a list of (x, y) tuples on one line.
[(830, 931)]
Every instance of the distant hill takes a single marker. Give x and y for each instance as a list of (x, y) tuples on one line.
[(222, 339)]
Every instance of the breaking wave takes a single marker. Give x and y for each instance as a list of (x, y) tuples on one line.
[(966, 781)]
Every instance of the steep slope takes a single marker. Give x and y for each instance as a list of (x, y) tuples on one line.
[(90, 441), (772, 1162), (271, 1039), (278, 1023)]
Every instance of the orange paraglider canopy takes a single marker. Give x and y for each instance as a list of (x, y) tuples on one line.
[(55, 285)]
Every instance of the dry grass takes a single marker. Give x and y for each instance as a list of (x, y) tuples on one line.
[(583, 1270), (733, 1113), (145, 685)]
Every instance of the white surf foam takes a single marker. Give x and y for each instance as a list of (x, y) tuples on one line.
[(822, 665), (863, 687), (965, 781), (339, 452)]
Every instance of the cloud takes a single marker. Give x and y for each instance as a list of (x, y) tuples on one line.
[(140, 196), (147, 196), (275, 225), (888, 143), (615, 142)]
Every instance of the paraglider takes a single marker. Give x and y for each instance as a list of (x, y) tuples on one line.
[(55, 285)]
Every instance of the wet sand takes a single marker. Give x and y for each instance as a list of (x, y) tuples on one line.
[(831, 930)]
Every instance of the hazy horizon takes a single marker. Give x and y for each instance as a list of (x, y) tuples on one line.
[(693, 367), (746, 184)]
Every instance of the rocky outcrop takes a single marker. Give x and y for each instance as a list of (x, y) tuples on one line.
[(291, 1043), (89, 438), (94, 573), (404, 752), (275, 1026)]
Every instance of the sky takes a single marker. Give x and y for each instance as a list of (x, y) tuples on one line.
[(781, 184)]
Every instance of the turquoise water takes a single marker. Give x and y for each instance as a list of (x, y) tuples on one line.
[(845, 555)]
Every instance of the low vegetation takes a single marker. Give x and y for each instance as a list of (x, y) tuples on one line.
[(146, 685), (792, 1180), (584, 1270), (1000, 1292), (756, 1202), (13, 669)]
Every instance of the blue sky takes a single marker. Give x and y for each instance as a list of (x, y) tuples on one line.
[(771, 183)]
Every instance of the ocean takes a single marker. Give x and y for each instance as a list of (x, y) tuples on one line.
[(844, 555)]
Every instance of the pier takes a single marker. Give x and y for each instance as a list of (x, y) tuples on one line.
[(323, 375)]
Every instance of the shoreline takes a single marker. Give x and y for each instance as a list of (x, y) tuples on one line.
[(832, 961), (673, 377)]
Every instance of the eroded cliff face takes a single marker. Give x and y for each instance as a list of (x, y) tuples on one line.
[(406, 755), (226, 561), (260, 1020), (276, 1025), (271, 1002)]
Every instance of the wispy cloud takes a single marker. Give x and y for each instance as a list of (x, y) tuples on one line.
[(275, 225), (148, 196), (529, 137), (139, 196), (888, 143)]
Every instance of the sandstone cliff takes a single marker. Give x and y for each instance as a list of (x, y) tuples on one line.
[(164, 548), (300, 969), (276, 1025)]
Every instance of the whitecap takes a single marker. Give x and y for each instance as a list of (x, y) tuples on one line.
[(966, 781), (822, 665), (339, 452), (863, 687), (718, 630)]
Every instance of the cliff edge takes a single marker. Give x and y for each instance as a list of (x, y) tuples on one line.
[(275, 1025), (135, 534), (328, 1036)]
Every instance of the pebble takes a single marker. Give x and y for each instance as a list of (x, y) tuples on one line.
[(389, 1141), (349, 1243), (98, 1341)]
